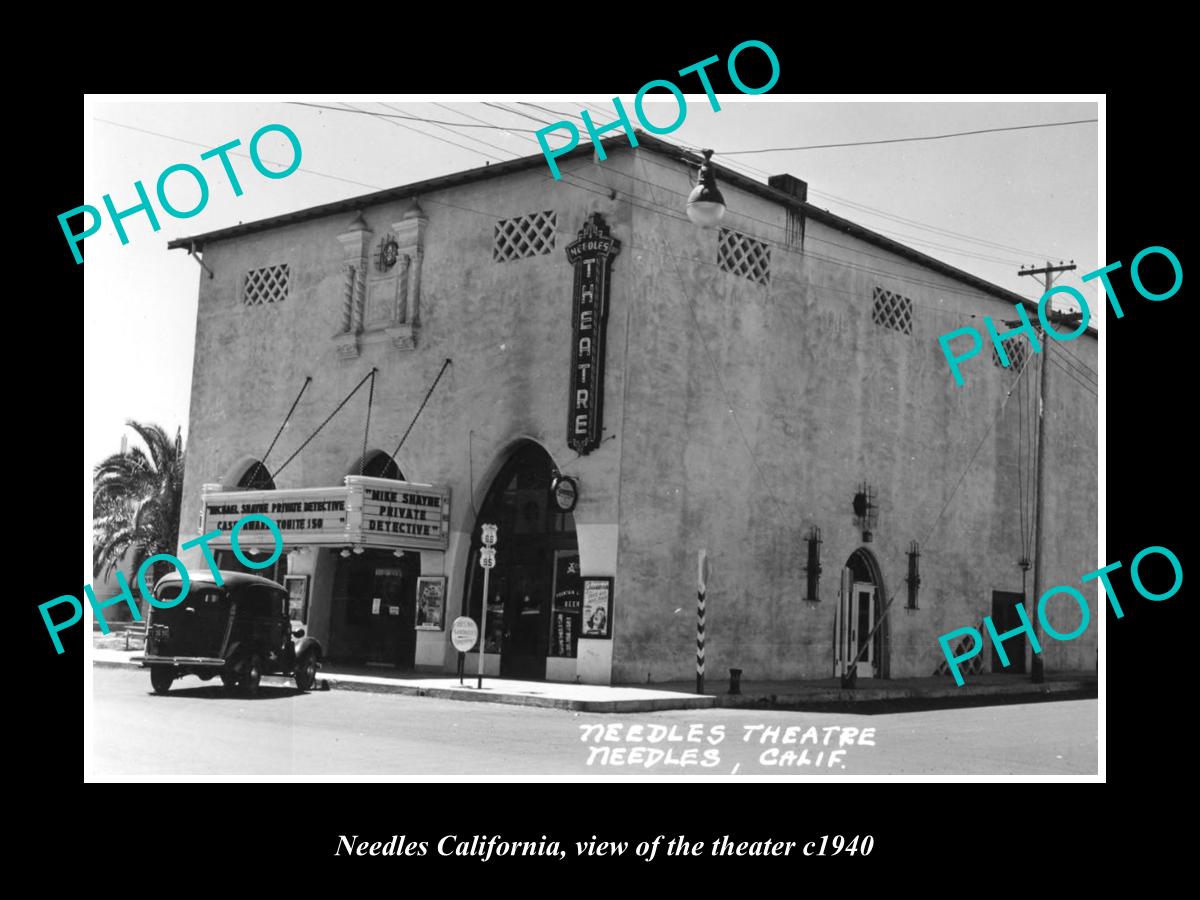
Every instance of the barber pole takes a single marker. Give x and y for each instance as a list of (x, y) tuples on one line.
[(701, 588)]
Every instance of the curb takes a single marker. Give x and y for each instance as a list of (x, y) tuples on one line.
[(595, 706), (838, 696), (334, 682), (807, 700)]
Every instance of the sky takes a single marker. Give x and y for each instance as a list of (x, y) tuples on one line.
[(986, 203)]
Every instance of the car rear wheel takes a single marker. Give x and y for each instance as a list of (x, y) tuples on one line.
[(161, 679), (306, 672), (252, 676)]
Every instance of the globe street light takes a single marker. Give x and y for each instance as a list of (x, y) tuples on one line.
[(705, 205)]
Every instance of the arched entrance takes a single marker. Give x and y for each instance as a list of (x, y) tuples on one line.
[(535, 593), (373, 611), (861, 629)]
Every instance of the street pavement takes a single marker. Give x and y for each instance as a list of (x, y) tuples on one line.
[(199, 730)]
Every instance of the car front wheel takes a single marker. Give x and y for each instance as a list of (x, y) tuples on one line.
[(306, 672), (252, 676), (161, 679)]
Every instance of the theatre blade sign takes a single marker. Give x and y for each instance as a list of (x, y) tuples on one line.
[(367, 512), (591, 254)]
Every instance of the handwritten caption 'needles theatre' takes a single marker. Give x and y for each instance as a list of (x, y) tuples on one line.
[(795, 746)]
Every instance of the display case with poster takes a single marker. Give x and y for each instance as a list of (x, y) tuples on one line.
[(297, 588), (431, 603), (597, 608), (568, 604)]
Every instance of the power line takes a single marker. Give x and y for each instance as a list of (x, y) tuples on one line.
[(927, 227), (664, 211), (467, 136), (966, 253), (740, 165), (171, 137), (1033, 413), (1087, 375), (386, 118), (517, 112), (367, 112), (1089, 369), (511, 132), (930, 137), (1079, 381), (661, 211), (978, 447), (782, 228), (1020, 468), (553, 112)]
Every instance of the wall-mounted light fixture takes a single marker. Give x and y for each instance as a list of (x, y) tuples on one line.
[(914, 573), (705, 205), (866, 513), (814, 565)]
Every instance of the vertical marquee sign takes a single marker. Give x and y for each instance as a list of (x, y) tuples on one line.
[(591, 254)]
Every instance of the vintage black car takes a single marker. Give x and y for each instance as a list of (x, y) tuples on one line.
[(239, 630)]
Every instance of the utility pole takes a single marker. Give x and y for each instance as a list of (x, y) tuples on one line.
[(1048, 274)]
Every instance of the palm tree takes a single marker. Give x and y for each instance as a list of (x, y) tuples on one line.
[(136, 501)]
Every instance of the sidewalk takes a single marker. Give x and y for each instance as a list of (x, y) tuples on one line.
[(815, 695), (936, 690), (579, 697)]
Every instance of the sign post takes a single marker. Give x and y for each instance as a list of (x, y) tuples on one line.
[(701, 589), (487, 561), (463, 634)]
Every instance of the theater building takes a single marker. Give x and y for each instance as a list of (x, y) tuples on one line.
[(770, 390)]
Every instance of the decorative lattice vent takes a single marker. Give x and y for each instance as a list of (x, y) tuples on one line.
[(531, 235), (892, 311), (973, 666), (742, 255), (1017, 349), (266, 285)]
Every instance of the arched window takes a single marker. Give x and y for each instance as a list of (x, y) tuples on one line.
[(256, 477), (377, 465)]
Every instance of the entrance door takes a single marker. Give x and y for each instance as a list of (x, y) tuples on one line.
[(526, 614), (393, 639), (1005, 618), (374, 600), (861, 617)]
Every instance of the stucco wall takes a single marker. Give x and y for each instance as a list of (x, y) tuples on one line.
[(737, 416), (504, 325), (753, 413)]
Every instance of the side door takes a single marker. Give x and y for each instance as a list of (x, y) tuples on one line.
[(1005, 618)]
